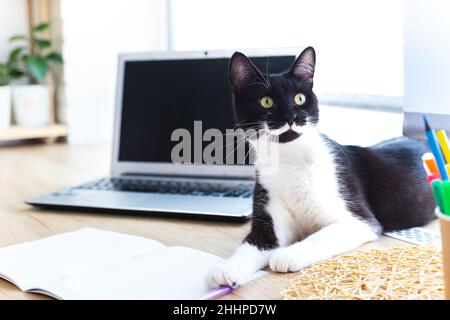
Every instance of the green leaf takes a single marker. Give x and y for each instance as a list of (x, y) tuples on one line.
[(42, 44), (55, 57), (37, 66), (4, 76), (17, 37), (41, 27), (16, 73), (14, 55)]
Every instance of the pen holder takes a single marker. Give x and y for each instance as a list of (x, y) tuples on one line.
[(444, 221)]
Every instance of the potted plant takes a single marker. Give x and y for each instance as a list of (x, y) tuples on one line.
[(8, 72), (34, 57)]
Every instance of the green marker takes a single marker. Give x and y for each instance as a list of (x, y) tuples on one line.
[(446, 197), (436, 185)]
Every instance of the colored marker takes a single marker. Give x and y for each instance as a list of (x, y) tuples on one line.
[(431, 177), (427, 170), (430, 164), (447, 166), (434, 146), (446, 197), (445, 146), (436, 185)]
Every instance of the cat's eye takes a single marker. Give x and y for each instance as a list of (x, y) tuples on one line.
[(266, 102), (299, 99)]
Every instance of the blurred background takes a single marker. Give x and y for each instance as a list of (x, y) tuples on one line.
[(360, 75)]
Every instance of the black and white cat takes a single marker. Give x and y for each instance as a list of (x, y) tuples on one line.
[(325, 198)]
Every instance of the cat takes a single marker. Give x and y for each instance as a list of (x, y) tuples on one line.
[(325, 199)]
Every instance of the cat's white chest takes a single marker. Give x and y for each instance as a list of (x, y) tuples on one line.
[(295, 186), (304, 192)]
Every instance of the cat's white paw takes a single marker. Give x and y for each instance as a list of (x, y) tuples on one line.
[(286, 260), (226, 274)]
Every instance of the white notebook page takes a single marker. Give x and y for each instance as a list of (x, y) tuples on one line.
[(172, 273), (32, 264)]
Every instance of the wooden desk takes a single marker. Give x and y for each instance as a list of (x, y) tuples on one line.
[(27, 171)]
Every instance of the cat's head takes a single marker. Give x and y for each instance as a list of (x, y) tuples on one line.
[(281, 105)]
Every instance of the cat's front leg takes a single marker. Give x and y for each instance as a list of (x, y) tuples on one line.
[(246, 260), (328, 242), (254, 253)]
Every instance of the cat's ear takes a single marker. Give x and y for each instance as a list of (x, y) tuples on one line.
[(305, 64), (243, 72)]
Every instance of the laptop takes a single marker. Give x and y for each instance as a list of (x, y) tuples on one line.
[(161, 96)]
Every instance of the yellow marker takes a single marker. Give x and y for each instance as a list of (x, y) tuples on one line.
[(447, 167), (445, 145)]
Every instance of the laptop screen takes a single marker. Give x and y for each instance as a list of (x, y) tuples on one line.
[(162, 96)]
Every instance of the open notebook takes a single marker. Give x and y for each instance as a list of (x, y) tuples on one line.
[(96, 264)]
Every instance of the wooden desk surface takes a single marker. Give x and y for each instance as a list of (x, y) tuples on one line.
[(27, 171)]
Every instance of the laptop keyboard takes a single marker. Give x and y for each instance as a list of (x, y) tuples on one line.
[(171, 187)]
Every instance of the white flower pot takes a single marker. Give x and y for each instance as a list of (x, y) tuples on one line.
[(31, 105), (5, 107)]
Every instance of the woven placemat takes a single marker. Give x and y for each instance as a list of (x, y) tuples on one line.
[(406, 273)]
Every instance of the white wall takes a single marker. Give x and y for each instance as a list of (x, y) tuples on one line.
[(427, 64), (13, 20), (427, 56), (358, 43), (94, 33)]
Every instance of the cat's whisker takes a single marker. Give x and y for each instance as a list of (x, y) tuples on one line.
[(229, 144), (246, 123), (243, 141), (265, 134), (243, 121), (248, 152), (226, 157)]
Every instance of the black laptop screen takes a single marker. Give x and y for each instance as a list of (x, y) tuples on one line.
[(165, 95)]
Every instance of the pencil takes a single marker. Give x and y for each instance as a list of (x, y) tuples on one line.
[(434, 146)]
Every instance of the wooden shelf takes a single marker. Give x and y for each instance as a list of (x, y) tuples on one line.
[(23, 133)]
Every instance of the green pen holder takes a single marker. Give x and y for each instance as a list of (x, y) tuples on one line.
[(444, 222)]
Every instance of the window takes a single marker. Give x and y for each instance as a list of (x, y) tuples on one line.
[(359, 44)]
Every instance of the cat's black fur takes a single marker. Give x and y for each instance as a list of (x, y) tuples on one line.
[(384, 185), (262, 234)]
